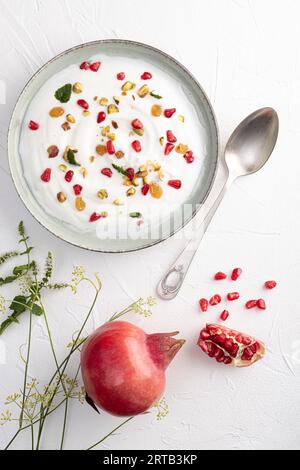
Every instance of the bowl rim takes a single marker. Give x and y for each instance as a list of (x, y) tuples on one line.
[(177, 64)]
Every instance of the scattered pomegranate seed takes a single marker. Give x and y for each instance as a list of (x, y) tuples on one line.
[(145, 189), (101, 117), (236, 274), (106, 172), (130, 173), (136, 145), (168, 148), (69, 176), (261, 304), (137, 124), (94, 217), (169, 112), (146, 76), (220, 276), (233, 296), (203, 304), (224, 315), (77, 189), (83, 104), (251, 304), (189, 157), (270, 284), (171, 137), (33, 125), (94, 67), (85, 66), (121, 76), (46, 175), (110, 147), (215, 300), (175, 184)]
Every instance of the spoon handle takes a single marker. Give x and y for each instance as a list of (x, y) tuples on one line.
[(171, 283)]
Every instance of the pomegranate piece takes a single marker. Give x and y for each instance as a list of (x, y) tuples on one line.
[(168, 113), (233, 296), (189, 157), (46, 175), (83, 104), (121, 76), (168, 148), (224, 315), (236, 274), (251, 304), (106, 172), (203, 304), (228, 346), (137, 124), (215, 300), (94, 67), (69, 176), (130, 173), (171, 137), (84, 66), (145, 189), (94, 217), (146, 76), (110, 147), (136, 145), (175, 184), (77, 188), (101, 117), (33, 125), (261, 304), (270, 284), (123, 368), (220, 276)]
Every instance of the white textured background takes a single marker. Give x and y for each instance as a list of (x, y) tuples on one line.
[(246, 54)]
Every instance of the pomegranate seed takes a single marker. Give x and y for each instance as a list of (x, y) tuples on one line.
[(84, 66), (224, 315), (145, 189), (69, 176), (233, 296), (235, 350), (261, 304), (175, 184), (136, 145), (215, 300), (220, 357), (136, 124), (110, 147), (121, 76), (203, 303), (146, 76), (94, 67), (106, 172), (251, 304), (189, 157), (204, 335), (94, 217), (171, 137), (239, 338), (77, 189), (236, 274), (227, 360), (169, 148), (83, 104), (33, 125), (246, 341), (169, 112), (270, 284), (46, 175), (247, 354), (101, 117), (220, 276), (130, 173)]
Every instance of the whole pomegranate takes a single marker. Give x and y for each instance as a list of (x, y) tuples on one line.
[(123, 368)]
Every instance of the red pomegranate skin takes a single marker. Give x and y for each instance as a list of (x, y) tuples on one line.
[(123, 368)]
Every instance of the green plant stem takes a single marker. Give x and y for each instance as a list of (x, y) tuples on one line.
[(26, 369), (110, 433)]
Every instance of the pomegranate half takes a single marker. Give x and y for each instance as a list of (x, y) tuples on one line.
[(123, 368)]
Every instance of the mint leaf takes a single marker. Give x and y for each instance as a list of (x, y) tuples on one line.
[(18, 305), (158, 97), (37, 310), (71, 158), (135, 215), (120, 169), (63, 94)]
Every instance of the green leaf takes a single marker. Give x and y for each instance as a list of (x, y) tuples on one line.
[(7, 280), (26, 252), (18, 270), (135, 215), (155, 95), (7, 256), (63, 94), (19, 304), (119, 169), (71, 158), (37, 310)]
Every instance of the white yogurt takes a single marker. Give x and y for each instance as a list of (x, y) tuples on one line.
[(85, 135)]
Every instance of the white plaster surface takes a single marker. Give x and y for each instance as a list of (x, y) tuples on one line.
[(246, 54)]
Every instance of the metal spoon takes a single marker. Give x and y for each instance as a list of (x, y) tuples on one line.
[(246, 152)]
